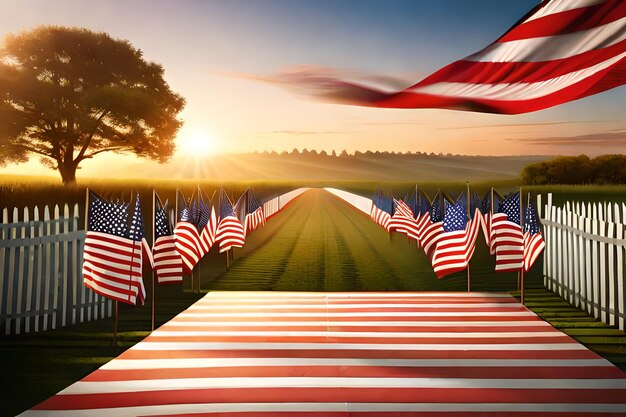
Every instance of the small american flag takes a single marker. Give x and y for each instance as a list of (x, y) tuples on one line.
[(533, 241), (506, 235), (113, 251), (187, 236), (230, 233), (432, 228), (255, 216), (204, 225), (456, 244), (490, 201), (403, 220), (168, 264)]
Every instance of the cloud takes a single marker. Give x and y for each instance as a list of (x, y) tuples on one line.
[(606, 139), (521, 125), (298, 133)]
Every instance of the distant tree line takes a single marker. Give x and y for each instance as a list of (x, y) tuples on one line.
[(604, 169), (358, 154)]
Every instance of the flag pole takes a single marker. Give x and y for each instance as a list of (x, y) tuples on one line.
[(198, 210), (521, 221), (115, 324), (469, 218), (153, 234)]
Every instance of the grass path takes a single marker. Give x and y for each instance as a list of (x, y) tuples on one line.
[(319, 243)]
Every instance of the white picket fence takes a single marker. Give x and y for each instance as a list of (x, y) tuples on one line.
[(41, 285), (276, 204), (359, 202), (584, 259)]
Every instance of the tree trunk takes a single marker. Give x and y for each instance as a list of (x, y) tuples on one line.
[(68, 174)]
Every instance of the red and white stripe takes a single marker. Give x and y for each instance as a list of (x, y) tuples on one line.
[(507, 241), (402, 220), (455, 249), (381, 217), (230, 233), (168, 265), (188, 245), (533, 246), (350, 354), (563, 50), (207, 235), (112, 267), (254, 220), (430, 234)]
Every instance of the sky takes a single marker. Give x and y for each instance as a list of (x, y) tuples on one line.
[(224, 57)]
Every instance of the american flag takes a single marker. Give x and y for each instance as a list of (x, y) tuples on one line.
[(432, 227), (506, 236), (168, 265), (187, 236), (533, 241), (381, 210), (403, 220), (422, 211), (230, 233), (403, 354), (207, 235), (456, 244), (490, 201), (113, 251), (562, 50), (204, 225), (255, 216)]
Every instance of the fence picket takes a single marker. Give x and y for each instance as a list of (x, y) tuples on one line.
[(4, 273), (47, 275), (38, 269), (10, 299)]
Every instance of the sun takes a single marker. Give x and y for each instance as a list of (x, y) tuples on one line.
[(197, 142)]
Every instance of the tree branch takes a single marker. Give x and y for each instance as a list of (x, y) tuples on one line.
[(81, 154), (35, 150), (113, 148)]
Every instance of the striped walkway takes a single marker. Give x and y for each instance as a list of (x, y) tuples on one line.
[(258, 354)]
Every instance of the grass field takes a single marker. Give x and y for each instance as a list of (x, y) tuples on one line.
[(319, 243)]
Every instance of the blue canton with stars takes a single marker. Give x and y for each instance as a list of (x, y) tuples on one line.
[(161, 225), (455, 217), (510, 206), (107, 217), (531, 222), (136, 230)]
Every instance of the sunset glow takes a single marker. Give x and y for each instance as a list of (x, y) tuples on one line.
[(197, 142)]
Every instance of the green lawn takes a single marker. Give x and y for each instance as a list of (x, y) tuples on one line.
[(319, 243)]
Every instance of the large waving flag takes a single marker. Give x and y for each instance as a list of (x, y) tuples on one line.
[(168, 265), (506, 235), (562, 50), (533, 241), (113, 250), (186, 234), (230, 233), (456, 244)]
